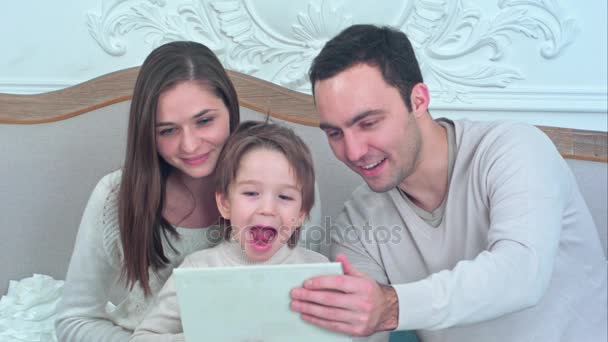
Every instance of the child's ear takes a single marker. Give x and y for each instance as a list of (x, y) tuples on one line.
[(223, 205), (301, 218)]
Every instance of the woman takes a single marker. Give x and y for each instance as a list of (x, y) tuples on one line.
[(141, 221)]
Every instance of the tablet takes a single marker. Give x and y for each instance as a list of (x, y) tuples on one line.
[(248, 303)]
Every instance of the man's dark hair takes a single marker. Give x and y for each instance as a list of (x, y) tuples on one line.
[(386, 48)]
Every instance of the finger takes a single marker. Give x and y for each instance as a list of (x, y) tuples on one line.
[(324, 312), (326, 298), (347, 268), (330, 325), (341, 327), (346, 284)]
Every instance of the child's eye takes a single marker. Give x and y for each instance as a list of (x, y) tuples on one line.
[(166, 131), (286, 198), (250, 193)]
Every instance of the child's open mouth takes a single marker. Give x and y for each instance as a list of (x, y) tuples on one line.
[(261, 237)]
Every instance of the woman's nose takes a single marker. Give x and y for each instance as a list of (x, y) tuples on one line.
[(189, 141)]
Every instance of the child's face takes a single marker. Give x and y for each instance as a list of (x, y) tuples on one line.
[(264, 203)]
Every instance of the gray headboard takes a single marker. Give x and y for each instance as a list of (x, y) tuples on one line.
[(55, 146)]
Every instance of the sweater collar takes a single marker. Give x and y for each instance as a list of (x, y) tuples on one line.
[(233, 253)]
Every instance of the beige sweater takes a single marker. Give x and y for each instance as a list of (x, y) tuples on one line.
[(516, 256), (96, 306), (163, 322)]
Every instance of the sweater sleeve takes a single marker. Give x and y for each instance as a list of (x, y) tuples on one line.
[(527, 185), (346, 238), (91, 273), (163, 322)]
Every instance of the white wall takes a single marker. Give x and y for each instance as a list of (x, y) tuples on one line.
[(540, 61)]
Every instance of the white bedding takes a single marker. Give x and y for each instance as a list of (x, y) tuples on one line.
[(27, 311)]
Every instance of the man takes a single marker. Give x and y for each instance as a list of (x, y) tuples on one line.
[(490, 238)]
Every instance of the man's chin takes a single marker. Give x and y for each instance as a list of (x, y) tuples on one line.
[(379, 187)]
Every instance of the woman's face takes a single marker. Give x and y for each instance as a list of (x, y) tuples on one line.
[(192, 124)]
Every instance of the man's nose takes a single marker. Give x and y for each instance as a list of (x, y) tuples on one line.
[(354, 147)]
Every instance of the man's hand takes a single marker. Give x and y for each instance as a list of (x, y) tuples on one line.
[(352, 303)]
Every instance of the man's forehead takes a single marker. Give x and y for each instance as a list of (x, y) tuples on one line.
[(348, 122)]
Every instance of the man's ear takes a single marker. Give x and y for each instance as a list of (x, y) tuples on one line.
[(420, 99), (223, 205)]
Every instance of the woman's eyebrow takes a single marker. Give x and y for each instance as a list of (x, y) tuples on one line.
[(203, 112), (197, 115)]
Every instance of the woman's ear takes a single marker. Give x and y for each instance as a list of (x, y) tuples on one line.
[(223, 205)]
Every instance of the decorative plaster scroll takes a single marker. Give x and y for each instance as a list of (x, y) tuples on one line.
[(462, 31), (257, 44), (460, 45), (120, 17)]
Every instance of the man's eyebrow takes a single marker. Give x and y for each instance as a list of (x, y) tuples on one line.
[(195, 116), (353, 121), (325, 126)]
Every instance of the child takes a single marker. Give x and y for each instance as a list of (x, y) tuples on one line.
[(264, 191)]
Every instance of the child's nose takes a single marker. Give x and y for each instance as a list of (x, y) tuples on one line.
[(267, 206)]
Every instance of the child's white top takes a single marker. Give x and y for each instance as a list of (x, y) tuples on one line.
[(163, 322)]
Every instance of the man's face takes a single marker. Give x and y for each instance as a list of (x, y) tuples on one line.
[(368, 126)]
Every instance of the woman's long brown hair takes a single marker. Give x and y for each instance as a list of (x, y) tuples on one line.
[(144, 175)]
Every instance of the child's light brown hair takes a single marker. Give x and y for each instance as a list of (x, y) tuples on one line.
[(251, 135)]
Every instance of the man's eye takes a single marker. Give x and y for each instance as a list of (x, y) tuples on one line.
[(369, 124), (333, 134)]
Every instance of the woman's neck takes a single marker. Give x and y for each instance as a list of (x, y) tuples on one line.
[(190, 202)]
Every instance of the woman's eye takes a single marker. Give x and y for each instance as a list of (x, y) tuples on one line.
[(203, 121), (166, 131)]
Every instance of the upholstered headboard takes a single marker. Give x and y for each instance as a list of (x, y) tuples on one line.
[(56, 146)]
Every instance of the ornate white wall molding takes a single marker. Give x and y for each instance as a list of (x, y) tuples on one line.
[(33, 86), (450, 37), (505, 57), (460, 31), (567, 101), (118, 18)]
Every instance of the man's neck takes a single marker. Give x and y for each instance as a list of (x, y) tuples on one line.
[(428, 185)]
